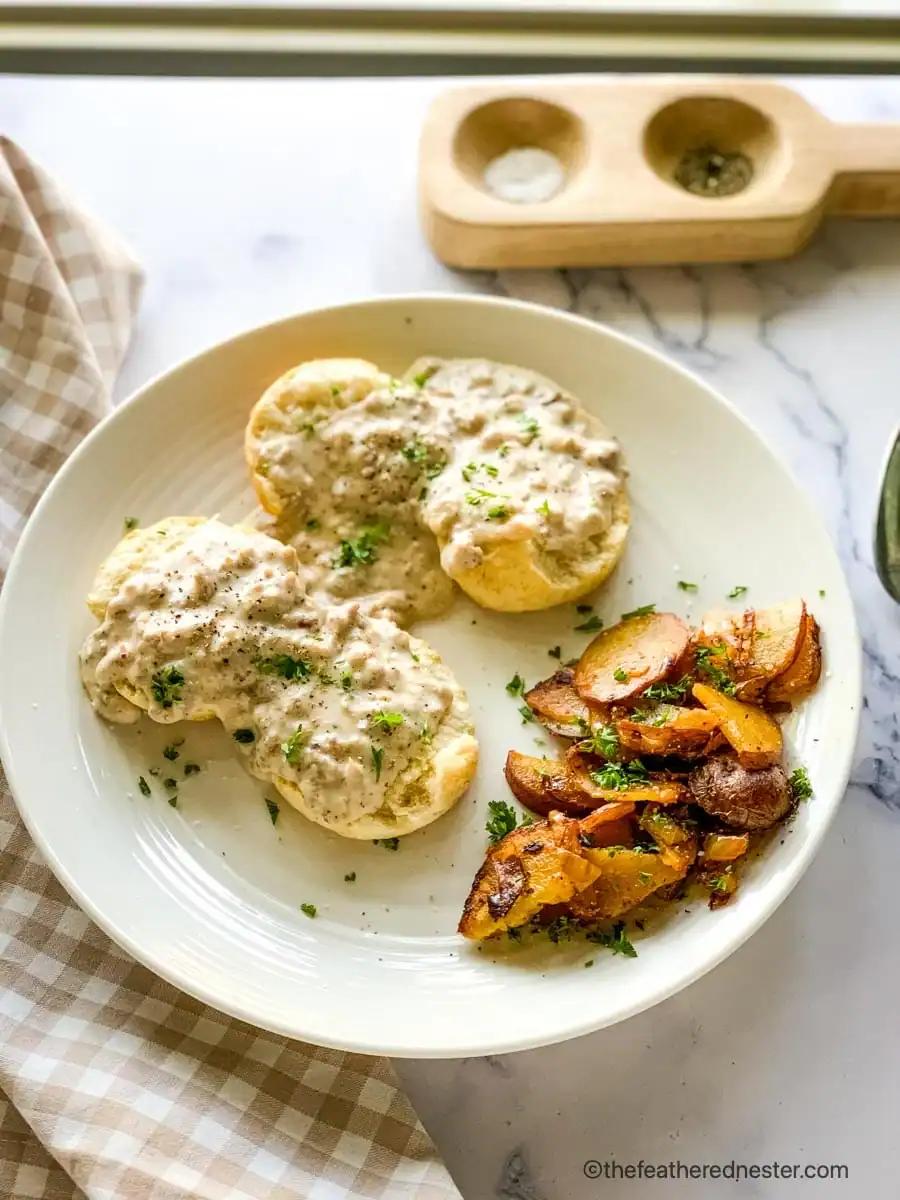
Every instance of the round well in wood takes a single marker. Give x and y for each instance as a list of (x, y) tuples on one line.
[(515, 122), (698, 123)]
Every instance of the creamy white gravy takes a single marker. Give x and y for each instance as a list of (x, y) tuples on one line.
[(340, 704), (468, 452)]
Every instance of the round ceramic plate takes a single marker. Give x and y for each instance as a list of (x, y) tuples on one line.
[(209, 894)]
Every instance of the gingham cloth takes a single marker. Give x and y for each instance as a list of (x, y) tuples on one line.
[(116, 1085)]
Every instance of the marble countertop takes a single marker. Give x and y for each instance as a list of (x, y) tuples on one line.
[(250, 199)]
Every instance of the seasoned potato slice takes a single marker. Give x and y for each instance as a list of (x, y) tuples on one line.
[(725, 847), (740, 797), (558, 706), (753, 734), (804, 671), (687, 732), (626, 658), (546, 785), (530, 868), (760, 645), (609, 825)]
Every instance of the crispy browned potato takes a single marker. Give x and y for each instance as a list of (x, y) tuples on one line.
[(558, 706), (804, 671), (753, 734), (531, 867), (725, 847), (610, 825), (546, 785), (741, 798), (626, 658), (760, 645), (722, 882), (686, 732), (628, 876)]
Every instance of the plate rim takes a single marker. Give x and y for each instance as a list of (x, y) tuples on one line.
[(795, 868)]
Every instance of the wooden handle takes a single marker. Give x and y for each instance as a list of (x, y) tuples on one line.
[(867, 175)]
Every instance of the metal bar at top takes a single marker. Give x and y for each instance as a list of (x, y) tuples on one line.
[(372, 38)]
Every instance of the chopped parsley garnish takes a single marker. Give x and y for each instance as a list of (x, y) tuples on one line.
[(154, 771), (736, 591), (502, 819), (592, 625), (308, 910), (191, 769), (414, 656), (435, 467), (143, 785), (491, 470), (801, 788), (530, 425), (668, 693), (171, 753), (712, 671), (616, 941), (584, 608), (560, 929), (478, 494), (362, 549), (544, 508), (687, 587), (335, 390), (293, 747), (173, 801), (285, 666), (468, 471), (170, 784), (387, 722), (166, 685), (130, 523), (312, 524), (644, 877), (422, 378), (346, 679), (274, 810), (415, 452), (377, 760), (498, 513), (388, 843), (351, 878), (426, 735), (526, 714), (503, 451), (308, 428), (516, 686), (589, 963), (616, 777), (244, 736), (620, 675), (644, 611), (605, 741), (555, 652), (822, 593)]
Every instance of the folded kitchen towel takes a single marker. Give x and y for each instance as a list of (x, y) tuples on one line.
[(115, 1085)]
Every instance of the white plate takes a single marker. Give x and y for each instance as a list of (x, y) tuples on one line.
[(209, 895)]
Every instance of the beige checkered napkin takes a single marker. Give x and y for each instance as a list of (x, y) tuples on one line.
[(115, 1086)]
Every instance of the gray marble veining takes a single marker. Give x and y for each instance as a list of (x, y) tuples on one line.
[(248, 199)]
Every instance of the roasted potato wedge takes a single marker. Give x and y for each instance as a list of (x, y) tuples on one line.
[(610, 825), (545, 785), (558, 706), (530, 868), (741, 798), (626, 658), (751, 732), (725, 847), (803, 673), (686, 732), (760, 645)]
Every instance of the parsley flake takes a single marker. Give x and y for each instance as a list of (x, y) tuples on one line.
[(171, 753), (285, 666), (274, 810), (684, 586), (592, 625), (191, 769), (718, 677), (544, 508), (555, 652), (361, 550), (736, 591), (498, 513), (143, 785), (130, 523), (605, 741), (377, 760), (388, 843), (293, 747), (616, 941), (644, 611), (617, 777), (801, 788), (351, 878), (308, 910), (620, 675), (516, 686), (526, 714), (166, 685), (387, 722), (502, 820)]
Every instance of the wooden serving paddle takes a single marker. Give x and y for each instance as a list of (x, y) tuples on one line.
[(655, 170)]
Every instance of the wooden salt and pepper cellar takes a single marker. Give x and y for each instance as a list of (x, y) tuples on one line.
[(656, 170)]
